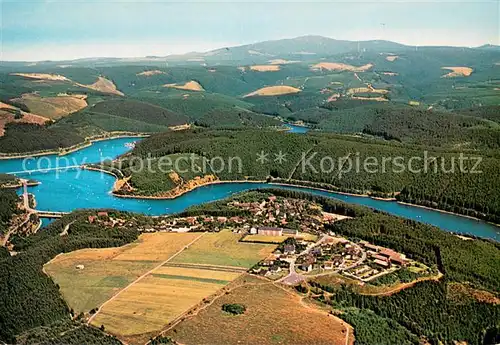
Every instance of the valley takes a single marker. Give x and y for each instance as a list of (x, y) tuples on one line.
[(296, 191)]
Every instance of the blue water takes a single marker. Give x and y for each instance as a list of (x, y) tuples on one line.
[(297, 129), (75, 189), (47, 221)]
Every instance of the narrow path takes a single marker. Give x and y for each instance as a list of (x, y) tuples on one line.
[(298, 163), (403, 286), (66, 228), (143, 276)]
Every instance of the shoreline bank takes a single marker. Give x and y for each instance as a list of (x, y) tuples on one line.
[(171, 197), (87, 143)]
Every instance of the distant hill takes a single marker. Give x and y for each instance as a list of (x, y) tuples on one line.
[(302, 48)]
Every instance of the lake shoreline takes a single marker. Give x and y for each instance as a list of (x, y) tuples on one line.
[(87, 143), (172, 197)]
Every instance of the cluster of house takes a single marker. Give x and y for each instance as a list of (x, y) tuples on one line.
[(332, 253), (379, 261), (384, 257), (103, 218), (278, 212), (280, 259)]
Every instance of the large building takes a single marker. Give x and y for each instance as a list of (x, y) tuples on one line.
[(273, 231), (270, 231)]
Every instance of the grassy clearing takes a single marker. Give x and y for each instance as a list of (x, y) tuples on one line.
[(53, 107), (107, 271), (274, 91), (224, 248), (273, 316)]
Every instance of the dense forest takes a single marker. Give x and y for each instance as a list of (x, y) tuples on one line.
[(337, 162), (21, 138), (8, 207), (66, 332), (426, 309), (28, 297)]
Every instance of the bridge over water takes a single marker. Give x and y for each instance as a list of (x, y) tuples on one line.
[(49, 214)]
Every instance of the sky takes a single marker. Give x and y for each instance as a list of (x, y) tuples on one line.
[(68, 29)]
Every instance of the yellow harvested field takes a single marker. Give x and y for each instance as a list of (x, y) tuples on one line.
[(150, 73), (273, 315), (106, 271), (190, 86), (282, 61), (103, 85), (274, 91), (156, 246), (224, 248), (43, 76), (152, 303), (336, 66), (391, 58), (457, 72), (265, 68), (53, 107)]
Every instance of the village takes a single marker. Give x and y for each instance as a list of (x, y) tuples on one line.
[(304, 247)]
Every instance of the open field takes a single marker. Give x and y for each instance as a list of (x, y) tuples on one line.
[(7, 115), (265, 68), (282, 61), (150, 73), (224, 249), (103, 85), (190, 86), (106, 271), (158, 299), (273, 316), (458, 72), (42, 76), (274, 91), (336, 66), (53, 107)]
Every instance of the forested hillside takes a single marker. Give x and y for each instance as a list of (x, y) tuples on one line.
[(462, 192), (28, 297), (8, 206)]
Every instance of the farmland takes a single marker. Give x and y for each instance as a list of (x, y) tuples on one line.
[(143, 286), (157, 300), (224, 249), (107, 271), (273, 315)]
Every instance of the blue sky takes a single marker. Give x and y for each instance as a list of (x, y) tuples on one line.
[(52, 29)]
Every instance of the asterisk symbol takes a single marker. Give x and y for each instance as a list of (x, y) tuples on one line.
[(280, 157), (262, 157)]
